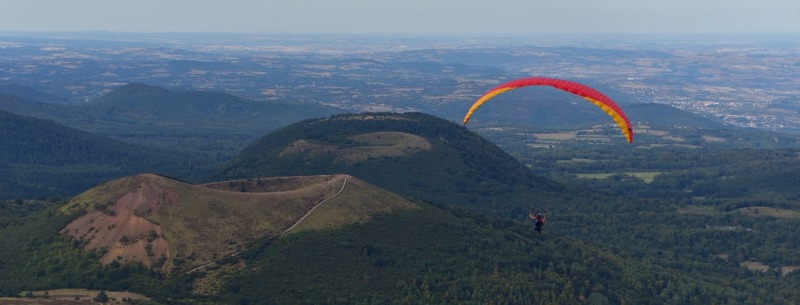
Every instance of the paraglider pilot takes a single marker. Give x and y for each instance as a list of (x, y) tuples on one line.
[(538, 219)]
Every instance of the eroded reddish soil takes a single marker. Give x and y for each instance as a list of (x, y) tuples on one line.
[(123, 231)]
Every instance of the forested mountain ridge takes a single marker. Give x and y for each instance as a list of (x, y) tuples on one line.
[(42, 158), (140, 101)]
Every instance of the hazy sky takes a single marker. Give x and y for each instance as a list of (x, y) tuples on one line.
[(403, 16)]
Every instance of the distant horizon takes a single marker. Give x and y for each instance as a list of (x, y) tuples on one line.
[(389, 41), (420, 34), (406, 34), (395, 17)]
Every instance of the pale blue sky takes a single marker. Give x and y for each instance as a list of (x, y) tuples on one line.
[(404, 16)]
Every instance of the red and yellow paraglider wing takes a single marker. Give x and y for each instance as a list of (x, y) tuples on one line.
[(619, 118), (589, 94), (483, 99)]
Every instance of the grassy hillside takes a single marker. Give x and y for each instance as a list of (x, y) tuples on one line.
[(412, 154)]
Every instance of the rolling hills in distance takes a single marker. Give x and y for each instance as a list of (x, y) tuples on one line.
[(209, 124), (450, 231)]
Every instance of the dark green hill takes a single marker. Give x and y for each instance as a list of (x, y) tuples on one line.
[(138, 101), (41, 158), (412, 154)]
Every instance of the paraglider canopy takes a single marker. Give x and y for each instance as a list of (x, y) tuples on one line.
[(587, 93)]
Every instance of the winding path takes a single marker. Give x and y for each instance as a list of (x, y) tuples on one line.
[(315, 207), (284, 231)]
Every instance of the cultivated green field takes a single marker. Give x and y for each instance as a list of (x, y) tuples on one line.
[(647, 177)]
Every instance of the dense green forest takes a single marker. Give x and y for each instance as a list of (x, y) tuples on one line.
[(433, 258)]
